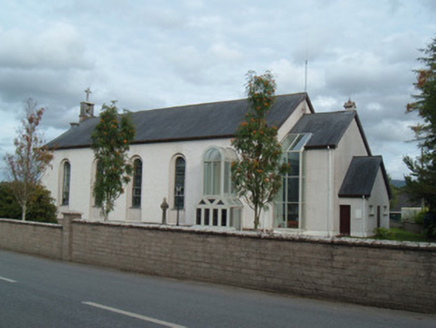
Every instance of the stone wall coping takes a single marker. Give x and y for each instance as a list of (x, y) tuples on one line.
[(278, 236), (34, 223)]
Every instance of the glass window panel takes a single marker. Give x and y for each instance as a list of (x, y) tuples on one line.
[(216, 178), (227, 177), (207, 178), (293, 190), (282, 190), (212, 154), (215, 217), (294, 162), (206, 216), (179, 183), (296, 142), (224, 218), (299, 142), (287, 142), (279, 219), (137, 183), (292, 216), (198, 221), (66, 184)]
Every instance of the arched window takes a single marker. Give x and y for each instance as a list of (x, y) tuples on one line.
[(179, 183), (219, 206), (137, 183), (212, 172), (66, 183)]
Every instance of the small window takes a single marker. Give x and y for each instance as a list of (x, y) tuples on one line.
[(179, 183), (66, 184), (137, 183)]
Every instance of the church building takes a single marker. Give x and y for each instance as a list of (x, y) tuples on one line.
[(182, 156)]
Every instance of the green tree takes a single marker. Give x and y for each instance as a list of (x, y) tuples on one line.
[(111, 141), (31, 158), (421, 183), (257, 172), (41, 207)]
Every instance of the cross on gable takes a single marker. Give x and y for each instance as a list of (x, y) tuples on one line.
[(87, 91)]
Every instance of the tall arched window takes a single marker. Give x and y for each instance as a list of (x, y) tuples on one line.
[(179, 183), (66, 183), (219, 206), (212, 172), (137, 183)]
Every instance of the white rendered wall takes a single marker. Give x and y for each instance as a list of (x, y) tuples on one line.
[(363, 214), (379, 197), (80, 191), (315, 211), (358, 215), (157, 183), (321, 214), (156, 161), (350, 145), (302, 108)]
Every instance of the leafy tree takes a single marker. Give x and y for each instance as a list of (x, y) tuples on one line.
[(257, 173), (111, 141), (41, 207), (31, 158), (421, 183)]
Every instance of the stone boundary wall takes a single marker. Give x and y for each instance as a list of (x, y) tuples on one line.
[(43, 239), (385, 274)]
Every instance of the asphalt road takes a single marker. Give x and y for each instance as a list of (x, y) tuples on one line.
[(36, 292)]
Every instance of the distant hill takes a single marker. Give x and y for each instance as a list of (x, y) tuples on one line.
[(398, 183)]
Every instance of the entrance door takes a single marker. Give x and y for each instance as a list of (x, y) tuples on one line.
[(344, 220)]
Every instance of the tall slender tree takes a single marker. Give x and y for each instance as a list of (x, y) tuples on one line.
[(257, 173), (31, 158), (111, 141), (421, 183)]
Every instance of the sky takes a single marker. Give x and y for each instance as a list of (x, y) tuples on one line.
[(154, 54)]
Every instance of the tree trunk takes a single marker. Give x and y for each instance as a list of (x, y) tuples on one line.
[(256, 217), (23, 209)]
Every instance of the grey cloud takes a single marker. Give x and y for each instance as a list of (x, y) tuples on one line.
[(59, 47)]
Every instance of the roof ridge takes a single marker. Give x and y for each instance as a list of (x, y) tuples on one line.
[(209, 103)]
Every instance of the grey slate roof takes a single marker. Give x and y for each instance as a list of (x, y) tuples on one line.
[(192, 122), (361, 175), (327, 128)]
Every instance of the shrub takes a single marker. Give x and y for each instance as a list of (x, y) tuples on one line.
[(9, 207), (382, 233), (430, 231), (418, 218), (41, 206)]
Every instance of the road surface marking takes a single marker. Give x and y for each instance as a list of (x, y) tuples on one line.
[(8, 280), (134, 315)]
